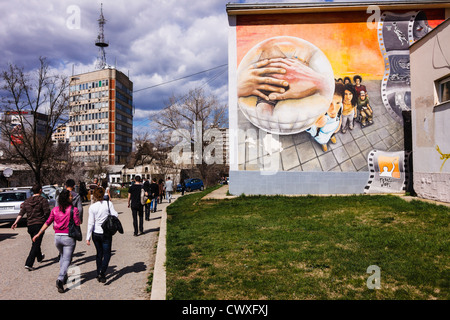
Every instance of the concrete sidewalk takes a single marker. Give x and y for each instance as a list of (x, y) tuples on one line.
[(219, 194), (126, 278)]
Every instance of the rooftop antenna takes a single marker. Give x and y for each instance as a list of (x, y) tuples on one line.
[(100, 42)]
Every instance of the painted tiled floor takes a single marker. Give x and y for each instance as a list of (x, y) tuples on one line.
[(299, 152)]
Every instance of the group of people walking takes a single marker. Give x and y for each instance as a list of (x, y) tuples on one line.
[(69, 209), (145, 196), (39, 217)]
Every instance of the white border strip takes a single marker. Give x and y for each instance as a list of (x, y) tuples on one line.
[(159, 271)]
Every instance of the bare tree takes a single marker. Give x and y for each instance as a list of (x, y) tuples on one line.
[(193, 118), (62, 166), (33, 105), (146, 150)]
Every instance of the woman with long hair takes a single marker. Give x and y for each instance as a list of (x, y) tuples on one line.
[(60, 217), (349, 107), (98, 212)]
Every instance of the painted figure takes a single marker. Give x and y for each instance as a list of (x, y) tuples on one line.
[(328, 124), (347, 80), (348, 107), (365, 109), (358, 85)]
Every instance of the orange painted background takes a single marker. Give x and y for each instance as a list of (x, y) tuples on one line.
[(351, 47)]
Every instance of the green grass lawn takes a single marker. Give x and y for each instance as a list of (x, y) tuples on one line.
[(285, 248)]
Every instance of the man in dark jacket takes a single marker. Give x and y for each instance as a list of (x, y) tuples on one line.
[(76, 198), (37, 210), (137, 209), (146, 187), (154, 190)]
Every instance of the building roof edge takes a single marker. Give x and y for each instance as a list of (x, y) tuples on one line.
[(271, 8)]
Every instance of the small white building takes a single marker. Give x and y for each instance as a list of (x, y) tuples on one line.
[(115, 175), (430, 95)]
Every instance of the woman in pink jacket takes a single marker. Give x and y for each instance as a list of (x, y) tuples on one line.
[(60, 217)]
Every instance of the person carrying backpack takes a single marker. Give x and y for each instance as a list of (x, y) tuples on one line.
[(137, 209)]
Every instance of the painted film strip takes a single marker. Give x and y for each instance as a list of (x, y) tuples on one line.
[(388, 171), (396, 32), (370, 164)]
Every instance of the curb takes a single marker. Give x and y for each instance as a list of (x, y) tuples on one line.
[(159, 272)]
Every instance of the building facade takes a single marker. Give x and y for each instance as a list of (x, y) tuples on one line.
[(430, 86), (61, 134), (13, 122), (318, 94), (101, 117)]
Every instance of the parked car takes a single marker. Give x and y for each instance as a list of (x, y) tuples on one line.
[(11, 201), (192, 184)]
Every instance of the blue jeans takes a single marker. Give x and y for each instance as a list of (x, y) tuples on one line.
[(169, 196), (153, 204), (103, 245), (66, 247)]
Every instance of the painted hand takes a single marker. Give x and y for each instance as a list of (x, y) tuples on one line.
[(254, 80), (303, 81)]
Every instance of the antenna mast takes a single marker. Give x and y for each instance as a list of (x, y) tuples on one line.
[(100, 42)]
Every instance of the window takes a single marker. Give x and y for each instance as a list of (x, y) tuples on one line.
[(444, 90)]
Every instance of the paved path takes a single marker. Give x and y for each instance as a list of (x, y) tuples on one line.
[(132, 262)]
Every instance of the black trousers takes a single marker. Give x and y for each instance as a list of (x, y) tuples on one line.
[(138, 213), (35, 251), (103, 245)]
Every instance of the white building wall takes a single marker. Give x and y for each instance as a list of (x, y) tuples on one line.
[(430, 59)]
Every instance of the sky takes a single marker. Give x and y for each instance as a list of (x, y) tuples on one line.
[(152, 41)]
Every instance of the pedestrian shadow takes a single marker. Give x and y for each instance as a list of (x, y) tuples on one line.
[(83, 260), (47, 262), (5, 225), (155, 218), (80, 261), (151, 230), (4, 236), (117, 274), (91, 275), (88, 276)]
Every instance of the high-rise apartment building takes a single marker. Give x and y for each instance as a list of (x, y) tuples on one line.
[(101, 116)]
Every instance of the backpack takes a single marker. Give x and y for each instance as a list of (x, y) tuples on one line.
[(112, 224), (144, 197)]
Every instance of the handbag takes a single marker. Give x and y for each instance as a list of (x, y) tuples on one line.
[(144, 197), (74, 230), (111, 224)]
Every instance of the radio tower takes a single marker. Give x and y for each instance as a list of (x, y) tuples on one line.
[(100, 42)]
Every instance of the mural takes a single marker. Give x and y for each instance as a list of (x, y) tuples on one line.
[(295, 85), (324, 89), (397, 32), (388, 171)]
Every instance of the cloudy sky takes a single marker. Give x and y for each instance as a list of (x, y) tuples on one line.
[(154, 41)]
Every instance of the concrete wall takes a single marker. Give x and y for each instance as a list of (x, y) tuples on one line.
[(291, 183), (431, 118)]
